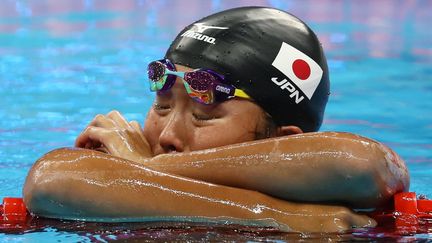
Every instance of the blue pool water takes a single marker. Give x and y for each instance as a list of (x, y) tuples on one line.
[(63, 62)]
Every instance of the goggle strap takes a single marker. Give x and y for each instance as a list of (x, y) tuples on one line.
[(188, 89), (179, 74), (240, 93)]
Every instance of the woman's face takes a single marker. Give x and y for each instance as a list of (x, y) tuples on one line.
[(176, 123)]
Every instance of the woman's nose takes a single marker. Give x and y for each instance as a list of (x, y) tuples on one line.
[(173, 135)]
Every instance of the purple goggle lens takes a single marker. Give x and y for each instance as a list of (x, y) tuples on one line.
[(202, 85)]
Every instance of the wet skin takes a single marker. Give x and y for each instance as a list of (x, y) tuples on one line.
[(89, 185), (221, 181)]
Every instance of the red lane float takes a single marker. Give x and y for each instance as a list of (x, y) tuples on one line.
[(408, 212), (13, 214), (13, 210)]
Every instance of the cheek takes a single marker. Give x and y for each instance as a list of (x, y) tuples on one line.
[(151, 128), (216, 136)]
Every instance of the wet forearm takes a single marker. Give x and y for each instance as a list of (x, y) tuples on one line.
[(83, 184), (315, 167)]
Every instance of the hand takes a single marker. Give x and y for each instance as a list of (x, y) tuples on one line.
[(113, 134), (342, 219)]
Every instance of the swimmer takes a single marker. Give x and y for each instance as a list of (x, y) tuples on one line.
[(232, 134)]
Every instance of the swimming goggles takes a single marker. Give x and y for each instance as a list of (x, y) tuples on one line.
[(202, 85)]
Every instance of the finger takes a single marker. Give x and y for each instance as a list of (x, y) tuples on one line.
[(102, 149), (102, 121), (82, 140), (136, 126), (91, 137), (105, 140), (146, 148), (88, 145), (118, 119), (98, 121)]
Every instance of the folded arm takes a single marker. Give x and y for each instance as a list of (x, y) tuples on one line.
[(89, 185), (340, 168)]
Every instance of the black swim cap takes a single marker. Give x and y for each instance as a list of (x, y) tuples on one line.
[(270, 54)]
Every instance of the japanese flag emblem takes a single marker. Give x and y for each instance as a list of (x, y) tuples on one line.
[(304, 72)]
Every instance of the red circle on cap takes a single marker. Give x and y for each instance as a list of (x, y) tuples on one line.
[(301, 69)]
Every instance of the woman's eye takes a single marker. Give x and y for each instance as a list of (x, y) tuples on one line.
[(160, 107), (200, 117)]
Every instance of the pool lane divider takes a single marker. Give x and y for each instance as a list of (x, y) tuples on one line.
[(408, 211), (13, 215)]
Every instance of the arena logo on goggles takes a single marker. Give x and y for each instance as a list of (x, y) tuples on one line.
[(223, 89), (198, 34), (302, 72)]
